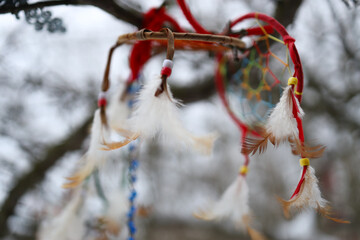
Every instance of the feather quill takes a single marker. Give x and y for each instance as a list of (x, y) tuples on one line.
[(309, 196), (94, 156), (159, 114), (306, 151)]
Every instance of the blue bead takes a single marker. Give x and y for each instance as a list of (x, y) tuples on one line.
[(134, 164), (131, 212), (132, 227), (133, 209), (132, 195), (130, 238), (132, 147), (133, 178)]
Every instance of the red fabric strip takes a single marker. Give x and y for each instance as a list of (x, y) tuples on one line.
[(301, 181), (154, 19), (258, 31), (296, 112), (195, 24)]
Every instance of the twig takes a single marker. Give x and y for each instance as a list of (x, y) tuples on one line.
[(128, 15)]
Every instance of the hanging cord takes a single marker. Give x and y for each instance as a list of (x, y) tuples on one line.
[(132, 177), (168, 63), (99, 189), (133, 166), (244, 168), (102, 100), (195, 24)]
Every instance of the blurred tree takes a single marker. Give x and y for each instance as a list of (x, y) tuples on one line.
[(337, 106)]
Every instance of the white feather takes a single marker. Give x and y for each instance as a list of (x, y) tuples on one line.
[(233, 204), (310, 196), (68, 225), (118, 206), (118, 111), (281, 122), (114, 218), (154, 115), (94, 156), (301, 111)]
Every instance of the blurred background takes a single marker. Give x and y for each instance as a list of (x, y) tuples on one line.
[(50, 75)]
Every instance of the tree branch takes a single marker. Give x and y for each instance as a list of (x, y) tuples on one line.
[(336, 110), (131, 16), (286, 10), (199, 91), (14, 10), (125, 14), (37, 174)]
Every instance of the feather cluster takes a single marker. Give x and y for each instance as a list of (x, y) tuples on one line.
[(118, 114), (94, 156), (100, 141), (282, 126), (154, 114), (233, 205), (158, 115), (68, 225), (309, 196)]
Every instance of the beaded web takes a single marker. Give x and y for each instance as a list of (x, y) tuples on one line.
[(253, 80)]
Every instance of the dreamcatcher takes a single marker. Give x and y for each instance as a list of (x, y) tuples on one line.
[(260, 82), (267, 109)]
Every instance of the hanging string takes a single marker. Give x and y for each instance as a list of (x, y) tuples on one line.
[(132, 177), (132, 170), (99, 189)]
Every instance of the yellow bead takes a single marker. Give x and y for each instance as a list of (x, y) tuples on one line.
[(244, 170), (292, 81), (304, 162)]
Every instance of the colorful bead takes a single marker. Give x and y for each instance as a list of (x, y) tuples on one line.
[(167, 67), (166, 71), (304, 162), (292, 81)]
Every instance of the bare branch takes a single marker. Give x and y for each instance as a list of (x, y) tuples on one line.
[(286, 10), (131, 16), (14, 10), (37, 174), (199, 91)]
